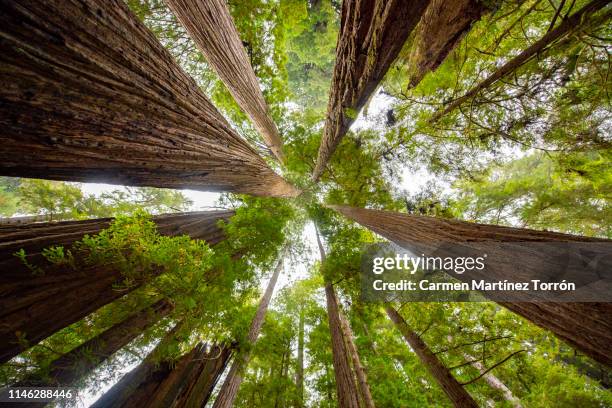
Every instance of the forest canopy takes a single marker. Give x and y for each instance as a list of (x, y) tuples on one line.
[(363, 122)]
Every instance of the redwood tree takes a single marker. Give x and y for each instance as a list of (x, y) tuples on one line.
[(30, 300), (455, 391), (232, 382), (586, 326), (211, 26), (442, 26), (187, 382), (372, 33), (89, 94), (68, 369)]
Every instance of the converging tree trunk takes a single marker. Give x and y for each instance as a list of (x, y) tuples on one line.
[(567, 26), (455, 391), (440, 30), (187, 382), (210, 24), (89, 94), (586, 326), (362, 379), (232, 382), (372, 33), (30, 298), (299, 372), (346, 388), (68, 369), (494, 382)]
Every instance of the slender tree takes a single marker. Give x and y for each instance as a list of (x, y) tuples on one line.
[(212, 28), (362, 380), (441, 28), (30, 300), (230, 387), (567, 26), (299, 372), (455, 391), (346, 388), (494, 382), (68, 369), (586, 326), (372, 33), (89, 94)]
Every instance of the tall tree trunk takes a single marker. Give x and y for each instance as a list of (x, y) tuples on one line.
[(29, 302), (440, 30), (347, 390), (455, 391), (586, 326), (362, 380), (67, 370), (89, 94), (299, 372), (230, 387), (494, 382), (187, 382), (567, 26), (210, 24), (372, 33)]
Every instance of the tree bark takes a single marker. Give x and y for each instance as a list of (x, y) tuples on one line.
[(89, 94), (299, 372), (362, 380), (440, 30), (455, 391), (232, 382), (494, 382), (67, 370), (187, 382), (372, 33), (210, 24), (29, 302), (567, 26), (586, 326), (346, 388)]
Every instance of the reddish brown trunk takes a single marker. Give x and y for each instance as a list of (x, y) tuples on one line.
[(230, 387), (89, 94), (362, 379), (210, 25), (345, 381), (186, 382), (67, 370), (455, 391), (29, 302), (372, 33), (299, 375), (443, 25), (586, 326), (566, 27)]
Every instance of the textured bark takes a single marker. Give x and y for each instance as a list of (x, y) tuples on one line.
[(442, 26), (455, 391), (187, 382), (346, 388), (362, 380), (299, 374), (494, 382), (232, 382), (586, 326), (372, 33), (67, 370), (567, 26), (89, 94), (29, 303), (211, 26)]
